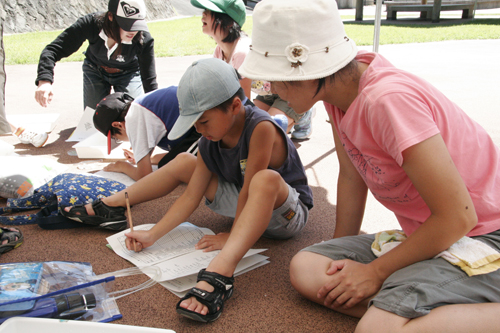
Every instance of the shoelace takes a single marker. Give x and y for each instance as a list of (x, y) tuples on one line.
[(28, 136)]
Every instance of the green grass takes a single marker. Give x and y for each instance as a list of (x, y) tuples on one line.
[(184, 37)]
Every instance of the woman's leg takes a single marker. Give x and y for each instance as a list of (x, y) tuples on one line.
[(95, 85), (482, 317), (128, 82)]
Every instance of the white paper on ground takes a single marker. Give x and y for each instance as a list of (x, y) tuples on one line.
[(43, 122), (174, 253), (118, 176), (181, 294), (179, 241), (85, 127), (191, 263), (96, 146), (188, 282)]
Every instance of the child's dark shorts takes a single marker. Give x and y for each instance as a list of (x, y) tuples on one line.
[(415, 290), (286, 220)]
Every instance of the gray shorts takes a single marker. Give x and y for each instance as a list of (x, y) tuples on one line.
[(276, 102), (286, 221), (415, 290)]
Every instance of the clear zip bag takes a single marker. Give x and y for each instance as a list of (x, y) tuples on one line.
[(63, 290)]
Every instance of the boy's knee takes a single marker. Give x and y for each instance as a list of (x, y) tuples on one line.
[(265, 179), (184, 159)]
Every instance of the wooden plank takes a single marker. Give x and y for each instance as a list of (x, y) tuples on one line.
[(428, 11)]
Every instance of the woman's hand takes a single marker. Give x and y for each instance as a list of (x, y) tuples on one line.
[(211, 243), (351, 283), (43, 93)]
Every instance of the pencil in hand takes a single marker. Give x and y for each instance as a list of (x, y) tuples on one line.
[(131, 225)]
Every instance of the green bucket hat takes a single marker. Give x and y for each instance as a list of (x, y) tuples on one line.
[(234, 8)]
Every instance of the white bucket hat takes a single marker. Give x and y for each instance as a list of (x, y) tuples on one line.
[(296, 40)]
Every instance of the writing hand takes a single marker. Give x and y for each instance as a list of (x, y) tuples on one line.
[(351, 283), (142, 238), (211, 243)]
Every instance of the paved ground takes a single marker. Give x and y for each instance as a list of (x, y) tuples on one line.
[(466, 71)]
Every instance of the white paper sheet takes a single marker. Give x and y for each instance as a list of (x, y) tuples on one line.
[(96, 146), (188, 282), (85, 127), (177, 242), (43, 122), (181, 294), (191, 263), (173, 254)]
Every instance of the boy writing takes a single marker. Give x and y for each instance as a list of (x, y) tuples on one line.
[(246, 168), (144, 122)]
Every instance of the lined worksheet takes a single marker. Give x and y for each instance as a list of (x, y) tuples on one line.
[(175, 256), (177, 242)]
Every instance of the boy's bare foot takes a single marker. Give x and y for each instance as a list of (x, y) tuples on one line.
[(205, 302), (98, 214), (192, 304), (88, 208)]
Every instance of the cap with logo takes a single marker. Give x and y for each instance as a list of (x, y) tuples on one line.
[(130, 14)]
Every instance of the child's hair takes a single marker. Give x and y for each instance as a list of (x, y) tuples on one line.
[(224, 106), (121, 118), (112, 30), (348, 70), (226, 24)]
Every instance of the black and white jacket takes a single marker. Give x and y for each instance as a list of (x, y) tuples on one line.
[(133, 57)]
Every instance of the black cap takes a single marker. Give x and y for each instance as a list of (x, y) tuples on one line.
[(109, 109), (130, 14)]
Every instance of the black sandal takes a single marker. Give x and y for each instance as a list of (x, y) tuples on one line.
[(223, 290), (14, 239), (105, 216)]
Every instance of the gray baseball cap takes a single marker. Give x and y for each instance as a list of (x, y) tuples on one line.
[(206, 84)]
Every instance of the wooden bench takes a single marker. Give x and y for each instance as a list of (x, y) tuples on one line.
[(428, 11)]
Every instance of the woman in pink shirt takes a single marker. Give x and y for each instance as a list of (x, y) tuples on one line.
[(419, 154)]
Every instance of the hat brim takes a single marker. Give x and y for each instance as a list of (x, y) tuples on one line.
[(278, 68), (182, 125), (109, 142), (206, 4), (132, 25)]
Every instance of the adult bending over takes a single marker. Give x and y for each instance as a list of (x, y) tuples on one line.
[(416, 151), (120, 54)]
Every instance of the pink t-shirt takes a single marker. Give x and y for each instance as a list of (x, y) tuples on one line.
[(395, 110)]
